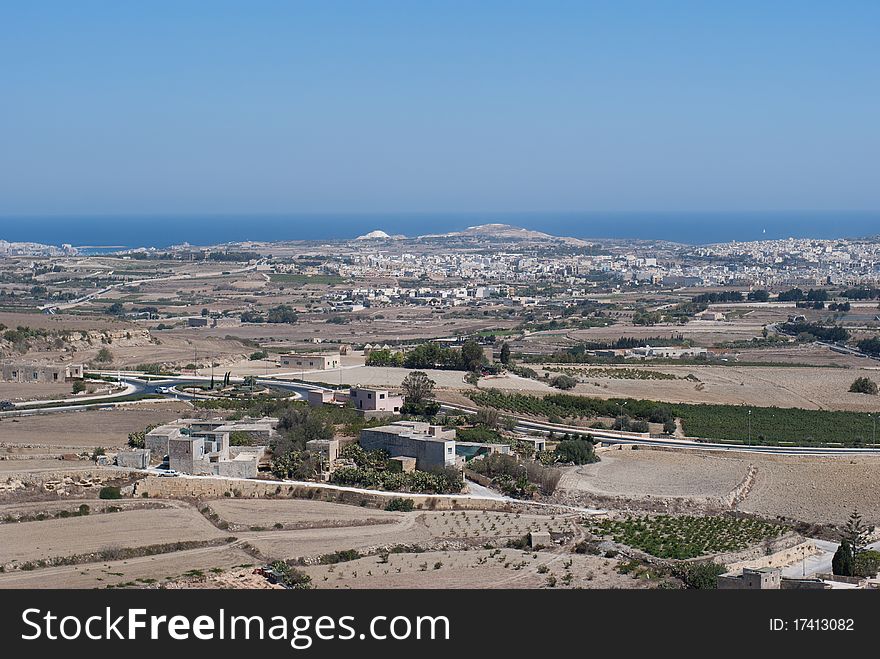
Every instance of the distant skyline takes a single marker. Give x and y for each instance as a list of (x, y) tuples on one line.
[(195, 108)]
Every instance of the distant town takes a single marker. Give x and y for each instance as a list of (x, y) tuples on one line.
[(490, 406)]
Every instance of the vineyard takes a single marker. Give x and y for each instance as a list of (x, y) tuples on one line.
[(684, 537), (727, 423), (614, 373)]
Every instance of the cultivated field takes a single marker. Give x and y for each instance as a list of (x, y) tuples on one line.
[(32, 541)]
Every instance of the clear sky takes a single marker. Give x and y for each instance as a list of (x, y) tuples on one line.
[(276, 107)]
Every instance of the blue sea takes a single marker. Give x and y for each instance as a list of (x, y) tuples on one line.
[(98, 233)]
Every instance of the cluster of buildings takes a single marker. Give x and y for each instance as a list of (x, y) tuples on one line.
[(206, 447), (411, 445), (240, 448), (771, 578), (35, 249), (761, 264)]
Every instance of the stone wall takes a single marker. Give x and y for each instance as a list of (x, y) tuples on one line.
[(216, 488), (788, 550)]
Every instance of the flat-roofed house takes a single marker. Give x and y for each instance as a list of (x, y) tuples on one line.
[(375, 402), (431, 446), (312, 361), (31, 372)]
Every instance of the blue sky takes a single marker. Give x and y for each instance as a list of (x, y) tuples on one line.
[(298, 107)]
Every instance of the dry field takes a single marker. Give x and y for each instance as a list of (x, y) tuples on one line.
[(427, 529), (502, 568), (805, 488), (770, 386), (29, 541), (298, 513), (42, 465), (658, 473), (23, 391), (141, 572), (82, 429)]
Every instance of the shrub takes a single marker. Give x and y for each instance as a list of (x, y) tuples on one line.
[(701, 576), (864, 386), (341, 556), (400, 505), (78, 386), (290, 577), (576, 451), (564, 382), (109, 492), (104, 356)]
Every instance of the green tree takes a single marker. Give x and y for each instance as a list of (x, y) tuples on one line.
[(702, 576), (283, 313), (137, 439), (856, 533), (577, 451), (864, 386), (417, 387), (78, 386), (104, 356), (505, 353), (564, 382), (867, 564), (472, 356), (843, 563)]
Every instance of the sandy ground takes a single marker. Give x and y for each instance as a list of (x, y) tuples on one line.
[(424, 529), (804, 488), (84, 428), (48, 464), (505, 568), (662, 473), (300, 513), (142, 571), (822, 490), (21, 391), (28, 541), (804, 387)]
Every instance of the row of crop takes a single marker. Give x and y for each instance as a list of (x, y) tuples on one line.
[(684, 537), (731, 423)]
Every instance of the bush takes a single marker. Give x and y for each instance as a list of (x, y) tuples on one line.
[(259, 354), (576, 451), (78, 386), (290, 577), (564, 382), (864, 386), (400, 505), (701, 576), (104, 356), (109, 492), (867, 564), (341, 556)]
